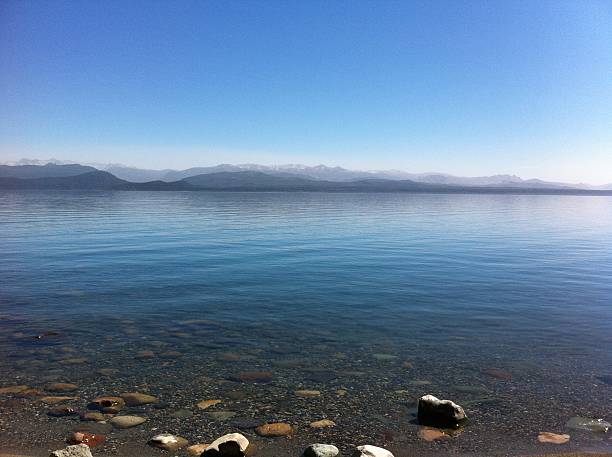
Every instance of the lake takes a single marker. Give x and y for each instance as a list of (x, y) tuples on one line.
[(501, 303)]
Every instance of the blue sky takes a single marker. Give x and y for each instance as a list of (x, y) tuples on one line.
[(465, 87)]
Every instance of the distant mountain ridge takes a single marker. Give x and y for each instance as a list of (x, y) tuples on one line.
[(26, 177), (319, 172)]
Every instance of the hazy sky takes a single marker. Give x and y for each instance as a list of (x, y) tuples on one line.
[(466, 87)]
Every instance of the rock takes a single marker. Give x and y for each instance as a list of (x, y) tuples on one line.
[(307, 393), (420, 383), (321, 450), (274, 429), (13, 389), (548, 437), (108, 405), (322, 423), (29, 393), (439, 413), (78, 450), (74, 361), (137, 398), (384, 357), (204, 404), (371, 451), (61, 387), (108, 371), (145, 355), (341, 392), (231, 445), (407, 364), (228, 357), (497, 373), (432, 434), (196, 449), (93, 417), (127, 421), (221, 415), (61, 411), (252, 376), (182, 413), (168, 442), (89, 439), (55, 400), (589, 425)]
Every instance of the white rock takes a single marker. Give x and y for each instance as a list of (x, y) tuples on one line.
[(78, 450), (371, 451), (232, 444), (439, 413), (321, 450)]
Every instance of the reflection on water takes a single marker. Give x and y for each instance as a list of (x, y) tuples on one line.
[(501, 303)]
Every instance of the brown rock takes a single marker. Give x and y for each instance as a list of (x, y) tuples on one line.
[(13, 389), (55, 400), (322, 423), (196, 449), (61, 411), (108, 405), (497, 373), (274, 429), (108, 371), (145, 354), (28, 393), (204, 404), (137, 398), (61, 387), (548, 437), (74, 361), (432, 434), (89, 439), (307, 393), (252, 376), (93, 417), (407, 364), (127, 421)]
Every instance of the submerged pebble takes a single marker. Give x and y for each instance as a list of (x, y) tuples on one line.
[(137, 398), (127, 421), (274, 429), (168, 442), (322, 423), (89, 439), (204, 404), (589, 425), (62, 387), (61, 411), (548, 437)]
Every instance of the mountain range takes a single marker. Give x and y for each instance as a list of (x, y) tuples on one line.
[(55, 175)]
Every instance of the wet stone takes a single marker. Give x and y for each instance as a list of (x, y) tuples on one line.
[(221, 415), (432, 434), (55, 400), (307, 393), (182, 413), (127, 421), (93, 417), (109, 405), (497, 373), (439, 413), (62, 411), (205, 404), (168, 442), (252, 376), (274, 429), (13, 389), (89, 439), (246, 424), (588, 425), (548, 437), (321, 450), (61, 387), (137, 398), (77, 450), (323, 423)]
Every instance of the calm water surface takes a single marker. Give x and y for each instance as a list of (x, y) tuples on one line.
[(384, 296)]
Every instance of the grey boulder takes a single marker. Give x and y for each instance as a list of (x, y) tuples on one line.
[(78, 450), (321, 450), (440, 413)]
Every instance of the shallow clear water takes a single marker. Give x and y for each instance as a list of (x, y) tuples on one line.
[(326, 291)]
